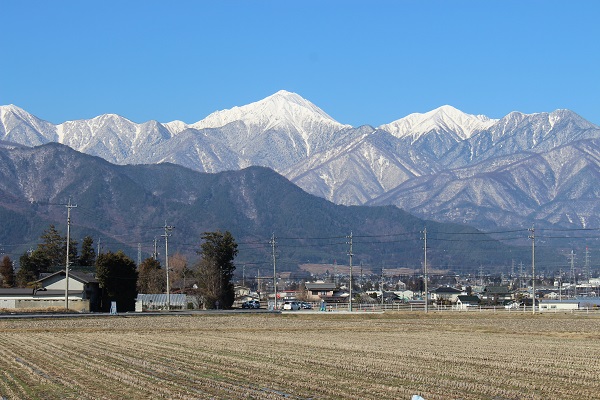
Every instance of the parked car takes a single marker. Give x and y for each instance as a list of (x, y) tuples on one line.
[(291, 305), (306, 305), (251, 304)]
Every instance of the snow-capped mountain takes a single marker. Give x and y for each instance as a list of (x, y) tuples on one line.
[(442, 164), (443, 119)]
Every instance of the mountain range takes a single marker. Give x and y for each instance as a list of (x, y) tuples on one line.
[(128, 206), (443, 165)]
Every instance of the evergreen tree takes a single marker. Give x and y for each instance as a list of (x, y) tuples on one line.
[(151, 277), (51, 253), (215, 270), (88, 256), (117, 276), (7, 272), (30, 267), (53, 247)]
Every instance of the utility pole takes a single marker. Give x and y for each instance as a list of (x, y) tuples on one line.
[(425, 270), (480, 275), (335, 273), (350, 254), (155, 254), (572, 277), (588, 272), (560, 284), (274, 270), (532, 237), (139, 254), (168, 230), (382, 292), (69, 206), (520, 274), (512, 270), (361, 276)]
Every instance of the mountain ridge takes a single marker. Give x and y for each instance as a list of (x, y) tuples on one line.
[(344, 164), (126, 206)]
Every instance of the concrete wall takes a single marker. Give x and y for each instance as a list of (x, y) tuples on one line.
[(7, 303), (20, 304)]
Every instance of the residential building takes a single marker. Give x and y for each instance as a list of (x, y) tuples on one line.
[(49, 291), (464, 301)]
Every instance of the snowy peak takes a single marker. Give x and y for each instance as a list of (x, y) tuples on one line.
[(17, 125), (280, 109), (445, 118)]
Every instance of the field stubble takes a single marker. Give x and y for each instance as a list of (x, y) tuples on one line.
[(302, 356)]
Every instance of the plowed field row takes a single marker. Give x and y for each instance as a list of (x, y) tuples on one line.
[(302, 356)]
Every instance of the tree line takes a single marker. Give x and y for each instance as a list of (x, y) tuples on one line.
[(121, 279)]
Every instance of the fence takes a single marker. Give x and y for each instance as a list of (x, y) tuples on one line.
[(378, 307)]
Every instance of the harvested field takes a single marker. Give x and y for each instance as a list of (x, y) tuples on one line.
[(302, 356)]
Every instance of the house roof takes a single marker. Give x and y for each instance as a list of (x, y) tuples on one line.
[(320, 286), (15, 291), (6, 292), (468, 299), (496, 289), (82, 277), (446, 289)]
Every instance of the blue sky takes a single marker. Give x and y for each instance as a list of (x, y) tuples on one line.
[(362, 62)]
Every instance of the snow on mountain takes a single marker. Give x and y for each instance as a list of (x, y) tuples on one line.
[(517, 132), (279, 108), (174, 127), (445, 118), (304, 125), (17, 125), (547, 186), (443, 164)]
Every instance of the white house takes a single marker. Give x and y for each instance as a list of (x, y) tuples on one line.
[(463, 302), (83, 294)]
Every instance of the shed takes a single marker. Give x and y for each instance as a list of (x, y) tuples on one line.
[(558, 305)]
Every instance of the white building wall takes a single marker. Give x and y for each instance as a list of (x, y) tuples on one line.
[(74, 285)]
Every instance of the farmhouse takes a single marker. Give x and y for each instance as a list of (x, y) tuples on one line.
[(329, 292), (464, 301), (445, 295), (493, 295), (84, 293)]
